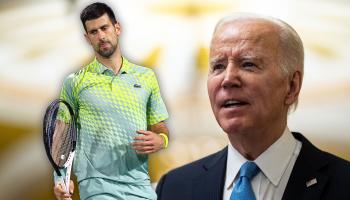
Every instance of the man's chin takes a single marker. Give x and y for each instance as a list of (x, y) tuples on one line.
[(233, 127), (105, 54)]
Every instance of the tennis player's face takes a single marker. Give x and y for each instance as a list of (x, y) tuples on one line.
[(103, 35), (246, 86)]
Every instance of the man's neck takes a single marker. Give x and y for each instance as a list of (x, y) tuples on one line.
[(252, 144), (114, 62)]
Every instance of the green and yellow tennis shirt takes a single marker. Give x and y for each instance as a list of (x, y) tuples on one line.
[(110, 109)]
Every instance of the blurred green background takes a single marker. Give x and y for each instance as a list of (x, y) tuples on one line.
[(41, 41)]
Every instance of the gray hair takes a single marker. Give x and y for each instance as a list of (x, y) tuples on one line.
[(292, 50)]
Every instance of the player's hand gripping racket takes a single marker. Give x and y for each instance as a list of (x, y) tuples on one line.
[(60, 136)]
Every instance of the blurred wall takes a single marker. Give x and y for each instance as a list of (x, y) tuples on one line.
[(41, 41)]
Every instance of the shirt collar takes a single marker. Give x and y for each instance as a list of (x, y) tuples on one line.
[(234, 162), (272, 162), (99, 68)]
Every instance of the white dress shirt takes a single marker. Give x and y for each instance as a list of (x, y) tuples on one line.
[(276, 164)]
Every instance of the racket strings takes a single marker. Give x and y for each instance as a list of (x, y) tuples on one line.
[(63, 147), (62, 130)]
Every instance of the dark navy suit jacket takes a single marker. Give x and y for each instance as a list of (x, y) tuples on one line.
[(204, 179)]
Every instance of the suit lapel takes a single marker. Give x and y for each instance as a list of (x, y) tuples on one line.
[(211, 183), (305, 181)]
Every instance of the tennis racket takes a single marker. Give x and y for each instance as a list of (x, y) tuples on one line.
[(59, 134)]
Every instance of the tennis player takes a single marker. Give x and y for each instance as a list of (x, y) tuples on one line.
[(120, 116)]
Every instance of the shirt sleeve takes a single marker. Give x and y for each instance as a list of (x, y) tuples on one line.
[(68, 92), (156, 109)]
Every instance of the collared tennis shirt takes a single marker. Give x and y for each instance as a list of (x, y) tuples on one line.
[(110, 108), (275, 164)]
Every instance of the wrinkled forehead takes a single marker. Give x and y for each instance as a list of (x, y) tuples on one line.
[(246, 36), (246, 29), (98, 22)]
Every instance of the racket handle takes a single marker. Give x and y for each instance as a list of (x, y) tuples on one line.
[(67, 178), (69, 169)]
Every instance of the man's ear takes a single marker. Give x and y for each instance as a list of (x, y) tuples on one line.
[(117, 28), (293, 88)]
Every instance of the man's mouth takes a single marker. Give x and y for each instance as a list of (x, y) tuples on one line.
[(103, 44), (233, 103)]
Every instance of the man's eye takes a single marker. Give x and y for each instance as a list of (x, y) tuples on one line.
[(248, 65), (218, 67), (93, 32)]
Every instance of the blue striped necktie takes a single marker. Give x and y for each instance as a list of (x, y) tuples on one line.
[(243, 190)]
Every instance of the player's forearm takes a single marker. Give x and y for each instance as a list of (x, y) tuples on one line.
[(159, 128)]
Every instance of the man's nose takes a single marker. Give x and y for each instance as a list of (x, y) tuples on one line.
[(101, 34), (232, 76)]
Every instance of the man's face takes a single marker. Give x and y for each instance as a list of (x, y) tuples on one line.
[(246, 86), (102, 35)]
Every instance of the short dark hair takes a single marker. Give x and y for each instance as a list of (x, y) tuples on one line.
[(96, 10)]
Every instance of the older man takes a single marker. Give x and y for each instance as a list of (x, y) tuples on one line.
[(255, 76)]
